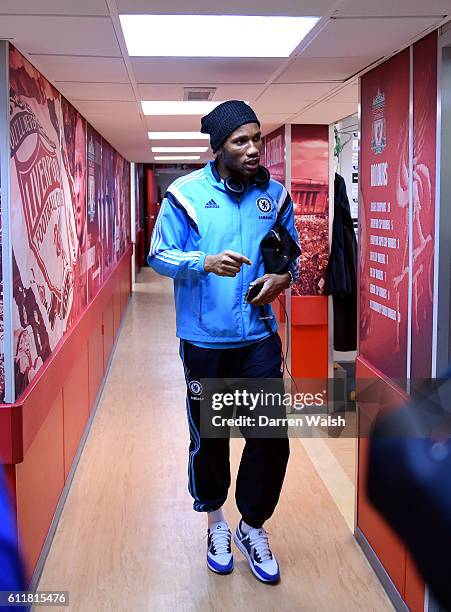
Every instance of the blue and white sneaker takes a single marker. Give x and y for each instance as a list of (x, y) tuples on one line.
[(219, 548), (255, 547)]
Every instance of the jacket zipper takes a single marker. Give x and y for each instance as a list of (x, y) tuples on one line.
[(241, 271), (200, 300)]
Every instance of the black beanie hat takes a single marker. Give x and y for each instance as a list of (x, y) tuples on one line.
[(225, 119)]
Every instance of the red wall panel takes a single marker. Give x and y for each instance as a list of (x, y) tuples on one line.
[(108, 331), (116, 309), (38, 397), (125, 292), (309, 353), (95, 362), (76, 406), (6, 442), (281, 319), (309, 310), (386, 544), (10, 472), (40, 480)]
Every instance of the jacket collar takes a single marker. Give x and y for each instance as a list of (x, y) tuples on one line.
[(213, 176), (215, 172)]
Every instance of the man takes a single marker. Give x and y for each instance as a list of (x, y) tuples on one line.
[(208, 240)]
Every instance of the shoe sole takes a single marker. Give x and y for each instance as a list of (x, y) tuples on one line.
[(214, 570), (243, 550)]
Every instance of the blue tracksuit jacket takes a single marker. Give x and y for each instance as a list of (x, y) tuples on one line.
[(198, 218)]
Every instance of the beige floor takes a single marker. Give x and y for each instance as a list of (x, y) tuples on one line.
[(128, 538)]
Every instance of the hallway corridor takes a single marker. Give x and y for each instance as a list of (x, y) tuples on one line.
[(128, 538)]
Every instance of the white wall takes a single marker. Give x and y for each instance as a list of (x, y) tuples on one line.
[(346, 128)]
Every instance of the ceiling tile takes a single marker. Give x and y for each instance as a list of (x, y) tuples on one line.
[(326, 112), (290, 98), (61, 35), (87, 69), (96, 91), (204, 71), (349, 94), (371, 38), (268, 127), (387, 8), (169, 91), (305, 69), (237, 91), (113, 109), (136, 154), (232, 7), (278, 118), (129, 130), (119, 141), (54, 7), (119, 131)]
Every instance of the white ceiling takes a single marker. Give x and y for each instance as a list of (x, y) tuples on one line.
[(79, 46)]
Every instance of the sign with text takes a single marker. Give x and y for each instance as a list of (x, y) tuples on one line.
[(384, 252)]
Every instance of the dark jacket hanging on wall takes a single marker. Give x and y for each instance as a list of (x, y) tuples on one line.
[(341, 276)]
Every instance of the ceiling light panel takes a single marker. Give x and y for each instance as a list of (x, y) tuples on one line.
[(176, 157), (179, 149), (178, 136), (214, 35)]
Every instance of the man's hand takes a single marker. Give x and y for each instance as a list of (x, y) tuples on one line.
[(227, 263), (273, 285)]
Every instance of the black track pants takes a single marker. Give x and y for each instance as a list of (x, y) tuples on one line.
[(264, 460)]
